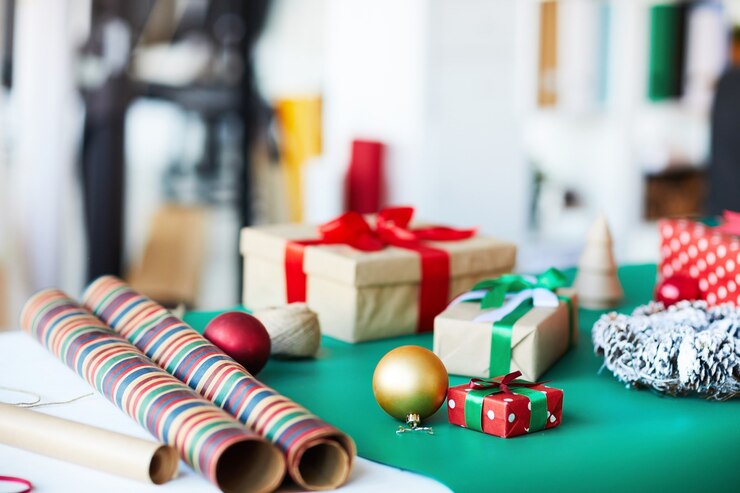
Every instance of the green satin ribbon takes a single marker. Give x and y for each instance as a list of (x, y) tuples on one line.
[(474, 407), (497, 288), (500, 356), (571, 317), (501, 333)]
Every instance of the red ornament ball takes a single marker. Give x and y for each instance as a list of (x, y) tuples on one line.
[(676, 288), (241, 336)]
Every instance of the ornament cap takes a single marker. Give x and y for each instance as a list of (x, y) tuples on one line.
[(413, 420)]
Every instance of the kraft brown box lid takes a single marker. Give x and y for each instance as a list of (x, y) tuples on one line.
[(391, 265)]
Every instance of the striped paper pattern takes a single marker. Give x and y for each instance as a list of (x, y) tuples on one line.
[(171, 411), (190, 357)]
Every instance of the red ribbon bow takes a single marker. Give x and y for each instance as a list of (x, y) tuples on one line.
[(391, 229), (502, 383), (731, 224)]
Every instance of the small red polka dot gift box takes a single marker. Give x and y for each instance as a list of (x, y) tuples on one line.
[(708, 254), (504, 406)]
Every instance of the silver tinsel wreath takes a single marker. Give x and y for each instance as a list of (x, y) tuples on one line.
[(684, 349)]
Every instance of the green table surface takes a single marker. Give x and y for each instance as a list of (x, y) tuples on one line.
[(611, 438)]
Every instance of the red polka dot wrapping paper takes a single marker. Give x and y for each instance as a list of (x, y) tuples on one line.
[(505, 415), (701, 252)]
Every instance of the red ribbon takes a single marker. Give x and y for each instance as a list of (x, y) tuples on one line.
[(24, 482), (391, 229), (503, 383)]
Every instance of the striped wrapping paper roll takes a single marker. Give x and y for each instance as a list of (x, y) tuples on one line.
[(208, 439), (318, 455)]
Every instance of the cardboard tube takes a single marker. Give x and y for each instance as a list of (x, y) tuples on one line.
[(318, 456), (207, 438), (87, 446), (323, 464)]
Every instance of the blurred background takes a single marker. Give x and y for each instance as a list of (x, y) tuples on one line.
[(138, 136)]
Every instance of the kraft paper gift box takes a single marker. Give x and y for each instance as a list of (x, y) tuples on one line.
[(363, 295), (539, 337)]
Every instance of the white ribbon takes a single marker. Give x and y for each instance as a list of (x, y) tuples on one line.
[(541, 298), (478, 294)]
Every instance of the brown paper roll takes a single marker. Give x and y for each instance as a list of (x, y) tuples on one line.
[(324, 463), (87, 446)]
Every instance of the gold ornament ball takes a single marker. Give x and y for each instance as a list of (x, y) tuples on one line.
[(410, 380)]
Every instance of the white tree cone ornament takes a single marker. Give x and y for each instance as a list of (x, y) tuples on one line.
[(294, 330), (597, 283)]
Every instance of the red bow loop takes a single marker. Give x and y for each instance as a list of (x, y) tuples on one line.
[(395, 216), (351, 229), (443, 233), (392, 226)]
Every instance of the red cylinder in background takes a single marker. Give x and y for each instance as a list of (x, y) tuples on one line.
[(365, 185)]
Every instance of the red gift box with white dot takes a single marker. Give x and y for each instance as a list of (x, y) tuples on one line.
[(703, 253), (504, 415)]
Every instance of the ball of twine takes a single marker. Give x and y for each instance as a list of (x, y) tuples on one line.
[(688, 348), (294, 330)]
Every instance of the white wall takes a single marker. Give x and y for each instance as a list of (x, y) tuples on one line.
[(374, 87), (435, 80), (46, 223), (474, 171)]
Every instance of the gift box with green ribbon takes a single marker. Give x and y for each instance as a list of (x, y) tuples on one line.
[(509, 323), (504, 406)]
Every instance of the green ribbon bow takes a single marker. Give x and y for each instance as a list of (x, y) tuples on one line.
[(480, 389), (497, 288), (495, 294)]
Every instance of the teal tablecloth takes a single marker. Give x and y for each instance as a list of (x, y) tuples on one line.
[(611, 438)]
